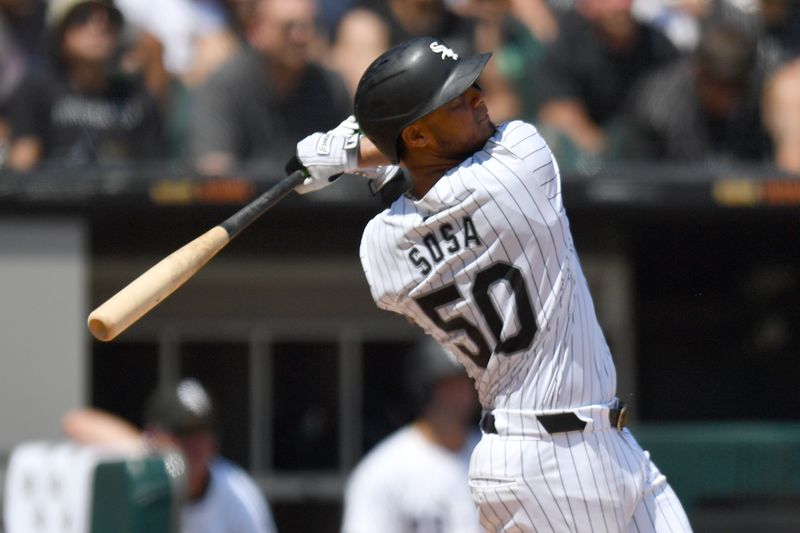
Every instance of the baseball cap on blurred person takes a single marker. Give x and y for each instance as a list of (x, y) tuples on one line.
[(182, 410)]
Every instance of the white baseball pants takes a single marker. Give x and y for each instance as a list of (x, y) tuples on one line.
[(597, 480)]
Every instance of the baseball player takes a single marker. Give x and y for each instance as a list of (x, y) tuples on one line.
[(220, 496), (478, 253), (414, 481)]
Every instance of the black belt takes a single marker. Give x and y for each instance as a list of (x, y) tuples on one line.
[(562, 422)]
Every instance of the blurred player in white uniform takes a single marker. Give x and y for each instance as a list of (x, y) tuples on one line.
[(479, 254), (414, 481), (220, 496)]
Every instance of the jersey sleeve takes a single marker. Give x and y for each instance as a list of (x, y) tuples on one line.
[(367, 250), (384, 252), (531, 160)]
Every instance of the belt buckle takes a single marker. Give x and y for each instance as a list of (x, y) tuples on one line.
[(622, 418)]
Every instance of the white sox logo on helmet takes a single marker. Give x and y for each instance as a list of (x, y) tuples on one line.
[(446, 52)]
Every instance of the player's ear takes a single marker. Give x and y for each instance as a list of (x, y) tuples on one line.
[(414, 136)]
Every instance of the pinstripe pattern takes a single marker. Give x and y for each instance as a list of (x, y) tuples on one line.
[(511, 191), (481, 262), (579, 482)]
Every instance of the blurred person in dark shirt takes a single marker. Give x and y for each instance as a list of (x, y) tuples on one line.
[(23, 20), (779, 31), (704, 108), (12, 69), (599, 54), (268, 95), (21, 30), (81, 110)]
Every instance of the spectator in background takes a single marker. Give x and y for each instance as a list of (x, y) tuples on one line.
[(682, 20), (781, 115), (264, 98), (704, 108), (12, 69), (81, 110), (779, 35), (176, 45), (774, 24), (415, 480), (196, 35), (21, 31), (370, 27), (240, 12), (518, 46), (220, 496), (536, 15), (584, 79), (24, 22)]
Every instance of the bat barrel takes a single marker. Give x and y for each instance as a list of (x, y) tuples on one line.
[(148, 290)]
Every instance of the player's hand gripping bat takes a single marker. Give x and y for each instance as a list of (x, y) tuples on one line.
[(149, 289)]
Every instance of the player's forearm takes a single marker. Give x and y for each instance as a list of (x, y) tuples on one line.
[(369, 155)]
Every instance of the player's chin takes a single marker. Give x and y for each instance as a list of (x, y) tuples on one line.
[(486, 129)]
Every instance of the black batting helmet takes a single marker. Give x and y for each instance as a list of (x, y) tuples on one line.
[(406, 83)]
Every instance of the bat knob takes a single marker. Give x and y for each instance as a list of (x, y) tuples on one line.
[(293, 165), (99, 329)]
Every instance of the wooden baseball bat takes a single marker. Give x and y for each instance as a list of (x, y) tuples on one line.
[(162, 279)]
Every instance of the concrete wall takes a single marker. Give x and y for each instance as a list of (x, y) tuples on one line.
[(43, 338)]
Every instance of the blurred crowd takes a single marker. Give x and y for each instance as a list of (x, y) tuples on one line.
[(221, 84)]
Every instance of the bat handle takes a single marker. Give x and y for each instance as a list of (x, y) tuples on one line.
[(245, 216)]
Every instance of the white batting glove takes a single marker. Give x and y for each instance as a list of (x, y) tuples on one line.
[(349, 126), (327, 155)]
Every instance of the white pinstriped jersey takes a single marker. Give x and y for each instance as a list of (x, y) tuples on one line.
[(485, 263)]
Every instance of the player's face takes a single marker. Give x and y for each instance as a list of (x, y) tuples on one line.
[(461, 127)]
